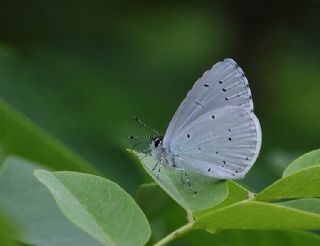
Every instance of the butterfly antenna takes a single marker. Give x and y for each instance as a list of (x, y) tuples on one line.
[(145, 125), (141, 137)]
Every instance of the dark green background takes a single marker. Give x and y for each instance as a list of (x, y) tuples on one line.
[(82, 69)]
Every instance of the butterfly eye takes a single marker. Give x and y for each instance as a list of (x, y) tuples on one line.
[(157, 141)]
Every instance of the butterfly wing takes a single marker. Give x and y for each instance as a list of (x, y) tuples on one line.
[(223, 85), (222, 143)]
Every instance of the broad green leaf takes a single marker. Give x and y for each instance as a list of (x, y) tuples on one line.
[(210, 192), (236, 193), (307, 204), (154, 201), (305, 183), (252, 215), (307, 160), (30, 206), (20, 136), (97, 206), (249, 238)]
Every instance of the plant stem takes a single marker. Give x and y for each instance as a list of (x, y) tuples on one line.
[(175, 234), (189, 216)]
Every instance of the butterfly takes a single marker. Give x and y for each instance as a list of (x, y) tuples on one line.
[(214, 132)]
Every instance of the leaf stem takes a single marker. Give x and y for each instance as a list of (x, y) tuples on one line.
[(175, 234), (189, 216)]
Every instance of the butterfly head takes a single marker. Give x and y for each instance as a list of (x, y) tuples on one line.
[(156, 146), (156, 142)]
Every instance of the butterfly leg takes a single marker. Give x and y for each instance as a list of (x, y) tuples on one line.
[(181, 177), (159, 169), (155, 166), (185, 179), (145, 155), (189, 184), (158, 165)]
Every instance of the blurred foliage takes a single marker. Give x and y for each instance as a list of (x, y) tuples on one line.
[(20, 136), (30, 207), (81, 70), (7, 233)]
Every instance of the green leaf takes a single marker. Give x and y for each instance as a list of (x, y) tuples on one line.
[(307, 204), (307, 160), (210, 192), (30, 206), (252, 215), (97, 206), (155, 202), (249, 238), (20, 136), (305, 183), (236, 193)]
